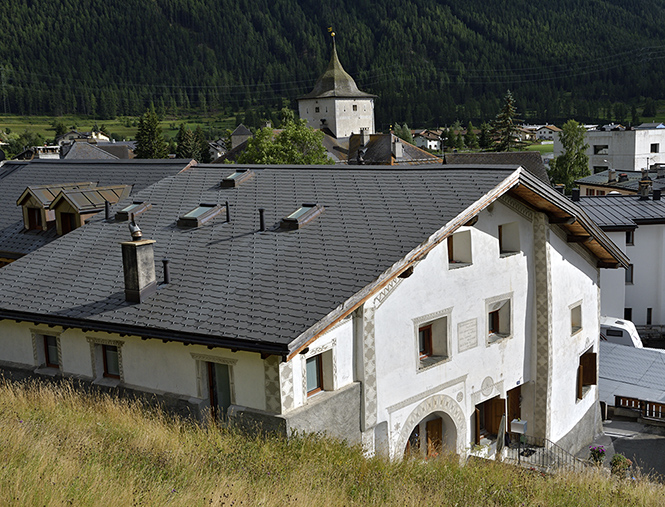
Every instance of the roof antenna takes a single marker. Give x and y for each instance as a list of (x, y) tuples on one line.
[(135, 230)]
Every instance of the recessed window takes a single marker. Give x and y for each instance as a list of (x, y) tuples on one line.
[(649, 316), (318, 373), (316, 109), (655, 148), (67, 222), (111, 361), (499, 319), (628, 314), (355, 107), (576, 318), (314, 370), (586, 373), (34, 218), (600, 149), (136, 208), (51, 358), (433, 342), (200, 215), (509, 238), (237, 178), (629, 274), (306, 213), (630, 237), (459, 250), (107, 360)]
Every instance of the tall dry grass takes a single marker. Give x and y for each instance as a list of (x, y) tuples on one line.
[(61, 447)]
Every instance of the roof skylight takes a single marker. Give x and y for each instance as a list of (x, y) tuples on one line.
[(237, 178), (137, 207), (200, 215), (300, 217)]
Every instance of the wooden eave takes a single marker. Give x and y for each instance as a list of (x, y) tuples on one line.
[(562, 211)]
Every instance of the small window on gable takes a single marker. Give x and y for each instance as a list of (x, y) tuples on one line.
[(200, 215), (355, 107), (576, 318), (459, 250), (586, 373), (136, 208), (433, 342), (237, 178), (499, 319), (303, 215), (630, 237), (509, 238)]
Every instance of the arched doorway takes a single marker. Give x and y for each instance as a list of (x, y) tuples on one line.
[(437, 424), (432, 436)]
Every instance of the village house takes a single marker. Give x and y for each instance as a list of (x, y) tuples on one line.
[(636, 224), (410, 309), (622, 149)]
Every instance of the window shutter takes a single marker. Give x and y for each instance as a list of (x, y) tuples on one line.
[(580, 385), (589, 367), (477, 424)]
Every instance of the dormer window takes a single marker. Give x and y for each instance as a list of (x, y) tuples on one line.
[(34, 218), (200, 215), (237, 178), (300, 217), (136, 208)]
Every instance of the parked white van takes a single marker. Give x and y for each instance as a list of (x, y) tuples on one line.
[(622, 332)]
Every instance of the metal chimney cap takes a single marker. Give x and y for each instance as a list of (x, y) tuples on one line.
[(135, 230)]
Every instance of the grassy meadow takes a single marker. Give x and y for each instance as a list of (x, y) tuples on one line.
[(61, 447), (123, 127)]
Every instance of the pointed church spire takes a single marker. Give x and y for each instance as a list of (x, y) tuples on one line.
[(335, 81)]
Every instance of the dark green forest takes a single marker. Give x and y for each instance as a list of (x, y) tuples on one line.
[(431, 62)]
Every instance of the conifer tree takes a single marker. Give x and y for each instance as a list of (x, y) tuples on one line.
[(150, 142), (185, 142), (202, 149), (504, 129), (470, 138)]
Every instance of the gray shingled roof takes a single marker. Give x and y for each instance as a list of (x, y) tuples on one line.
[(87, 151), (622, 211), (631, 184), (14, 239), (532, 161), (380, 149), (631, 372), (336, 82), (231, 284)]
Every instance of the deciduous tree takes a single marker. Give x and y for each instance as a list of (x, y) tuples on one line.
[(574, 162)]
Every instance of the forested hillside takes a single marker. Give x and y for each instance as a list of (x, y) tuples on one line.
[(430, 61)]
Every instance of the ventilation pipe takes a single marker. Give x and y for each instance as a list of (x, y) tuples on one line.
[(167, 271), (262, 222), (107, 210)]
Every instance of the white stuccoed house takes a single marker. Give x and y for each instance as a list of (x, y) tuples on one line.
[(408, 309)]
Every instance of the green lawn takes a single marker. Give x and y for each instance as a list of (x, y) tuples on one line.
[(123, 127), (542, 148)]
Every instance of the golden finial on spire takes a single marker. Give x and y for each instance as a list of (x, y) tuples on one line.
[(330, 30)]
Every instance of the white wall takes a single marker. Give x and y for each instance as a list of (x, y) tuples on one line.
[(612, 282), (148, 365), (434, 287), (339, 115), (573, 280)]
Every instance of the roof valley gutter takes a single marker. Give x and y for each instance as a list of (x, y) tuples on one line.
[(354, 302)]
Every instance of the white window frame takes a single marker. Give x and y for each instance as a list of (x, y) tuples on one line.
[(424, 363)]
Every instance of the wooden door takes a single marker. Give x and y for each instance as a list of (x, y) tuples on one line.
[(434, 431), (514, 410), (219, 387), (494, 410)]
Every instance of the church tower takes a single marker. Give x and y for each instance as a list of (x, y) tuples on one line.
[(336, 104)]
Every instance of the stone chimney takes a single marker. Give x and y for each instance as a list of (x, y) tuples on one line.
[(611, 175), (138, 262), (398, 149), (364, 137)]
